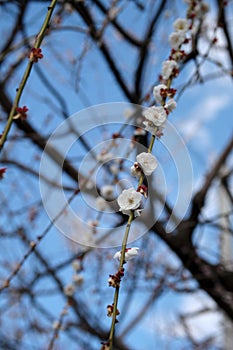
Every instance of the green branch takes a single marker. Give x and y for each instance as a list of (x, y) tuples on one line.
[(26, 74)]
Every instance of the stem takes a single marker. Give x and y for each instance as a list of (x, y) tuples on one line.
[(152, 141), (122, 260), (26, 74), (117, 289)]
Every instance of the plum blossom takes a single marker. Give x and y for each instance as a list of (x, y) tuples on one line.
[(69, 290), (139, 132), (160, 92), (147, 162), (170, 105), (104, 156), (136, 170), (108, 192), (56, 324), (93, 225), (201, 9), (77, 279), (76, 264), (168, 67), (156, 115), (130, 253), (176, 39), (181, 25), (158, 131), (101, 204), (114, 169), (149, 126), (129, 200)]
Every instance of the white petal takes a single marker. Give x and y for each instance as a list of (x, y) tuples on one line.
[(147, 162), (117, 255)]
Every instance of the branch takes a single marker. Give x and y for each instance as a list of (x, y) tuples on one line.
[(209, 277), (16, 28), (199, 199), (222, 22), (130, 38), (143, 54), (88, 19), (26, 74)]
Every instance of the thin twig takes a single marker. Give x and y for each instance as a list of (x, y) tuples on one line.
[(26, 74)]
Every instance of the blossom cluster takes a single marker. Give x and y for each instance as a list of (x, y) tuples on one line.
[(196, 9), (155, 117), (130, 201), (178, 37), (77, 279)]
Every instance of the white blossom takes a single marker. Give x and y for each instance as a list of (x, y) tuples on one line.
[(158, 131), (77, 279), (128, 113), (69, 290), (114, 169), (181, 25), (139, 132), (157, 115), (129, 200), (136, 170), (201, 9), (56, 325), (104, 156), (168, 67), (101, 204), (157, 92), (176, 39), (204, 7), (93, 223), (108, 192), (170, 105), (149, 126), (147, 162), (76, 264), (130, 253), (68, 8), (90, 185)]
